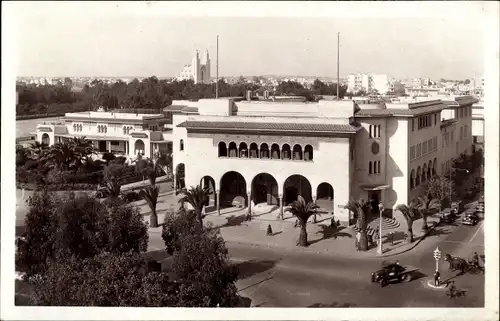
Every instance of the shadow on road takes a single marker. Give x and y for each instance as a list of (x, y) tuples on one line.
[(328, 232), (249, 268), (234, 220), (333, 305), (438, 231)]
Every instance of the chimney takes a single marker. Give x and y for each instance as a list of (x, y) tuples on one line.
[(249, 95)]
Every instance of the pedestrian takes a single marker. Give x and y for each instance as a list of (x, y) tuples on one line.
[(475, 259), (332, 222), (437, 278)]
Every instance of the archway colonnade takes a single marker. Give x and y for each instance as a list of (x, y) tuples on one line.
[(233, 189), (423, 173)]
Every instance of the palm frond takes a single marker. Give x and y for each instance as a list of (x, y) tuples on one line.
[(302, 210)]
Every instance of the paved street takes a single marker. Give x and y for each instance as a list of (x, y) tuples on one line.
[(273, 278)]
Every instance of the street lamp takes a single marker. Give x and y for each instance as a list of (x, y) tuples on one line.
[(437, 257), (381, 209)]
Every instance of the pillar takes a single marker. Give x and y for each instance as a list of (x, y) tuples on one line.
[(175, 184), (249, 194), (109, 146), (281, 205), (218, 202), (315, 202)]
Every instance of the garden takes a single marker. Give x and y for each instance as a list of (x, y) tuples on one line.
[(70, 166)]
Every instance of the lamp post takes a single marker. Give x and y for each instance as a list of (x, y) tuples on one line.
[(381, 209), (437, 257)]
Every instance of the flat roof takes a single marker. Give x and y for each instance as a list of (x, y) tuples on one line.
[(275, 127)]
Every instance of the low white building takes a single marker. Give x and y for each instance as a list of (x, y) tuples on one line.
[(328, 152), (123, 134)]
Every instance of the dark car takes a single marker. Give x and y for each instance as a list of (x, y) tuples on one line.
[(131, 197), (470, 219), (392, 272), (447, 216)]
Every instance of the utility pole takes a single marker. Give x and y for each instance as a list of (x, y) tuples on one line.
[(338, 65), (217, 71)]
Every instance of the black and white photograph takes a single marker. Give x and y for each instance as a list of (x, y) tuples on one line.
[(231, 159)]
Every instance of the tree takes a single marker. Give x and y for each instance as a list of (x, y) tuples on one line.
[(303, 211), (61, 227), (361, 208), (150, 195), (441, 188), (197, 197), (107, 279), (175, 226), (113, 189), (425, 205), (409, 212), (38, 150), (62, 155)]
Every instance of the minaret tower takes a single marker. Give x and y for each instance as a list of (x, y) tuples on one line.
[(196, 68), (206, 62)]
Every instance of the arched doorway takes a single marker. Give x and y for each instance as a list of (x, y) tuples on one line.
[(434, 166), (417, 180), (46, 139), (412, 179), (324, 196), (424, 173), (209, 183), (180, 175), (139, 147), (233, 190), (429, 170), (295, 186), (265, 189)]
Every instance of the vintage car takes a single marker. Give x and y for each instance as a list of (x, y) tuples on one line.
[(470, 219), (447, 216), (393, 272)]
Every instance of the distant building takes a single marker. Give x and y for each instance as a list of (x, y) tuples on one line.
[(198, 71), (380, 83)]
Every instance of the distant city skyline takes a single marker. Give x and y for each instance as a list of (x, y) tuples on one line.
[(97, 45)]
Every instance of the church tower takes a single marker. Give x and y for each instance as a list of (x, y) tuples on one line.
[(196, 68), (206, 62)]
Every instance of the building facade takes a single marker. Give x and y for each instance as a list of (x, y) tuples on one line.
[(369, 83), (198, 70), (249, 152), (122, 134)]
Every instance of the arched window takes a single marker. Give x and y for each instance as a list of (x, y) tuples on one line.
[(254, 150), (264, 150), (181, 145), (233, 151), (285, 152), (370, 170), (74, 127), (243, 150), (222, 149), (297, 152), (412, 179), (370, 131), (105, 129), (308, 153), (378, 167), (417, 179), (275, 151)]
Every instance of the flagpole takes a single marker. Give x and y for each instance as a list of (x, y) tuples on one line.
[(217, 71), (338, 65)]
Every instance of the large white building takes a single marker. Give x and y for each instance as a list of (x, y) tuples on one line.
[(122, 134), (330, 152), (273, 151), (198, 70), (369, 83)]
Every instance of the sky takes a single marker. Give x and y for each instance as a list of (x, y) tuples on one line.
[(94, 40)]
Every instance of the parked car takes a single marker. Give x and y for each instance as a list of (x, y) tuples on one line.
[(470, 219), (131, 197), (447, 216)]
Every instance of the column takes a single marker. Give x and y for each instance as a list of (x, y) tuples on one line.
[(175, 184), (281, 205), (109, 146), (218, 202), (315, 202), (249, 203)]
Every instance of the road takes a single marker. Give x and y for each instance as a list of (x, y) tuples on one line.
[(274, 278)]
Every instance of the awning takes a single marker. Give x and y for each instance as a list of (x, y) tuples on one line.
[(376, 187)]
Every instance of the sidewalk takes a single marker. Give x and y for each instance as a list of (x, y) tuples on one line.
[(322, 238)]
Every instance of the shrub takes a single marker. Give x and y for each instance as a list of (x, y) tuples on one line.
[(114, 171), (175, 225), (61, 227), (104, 280)]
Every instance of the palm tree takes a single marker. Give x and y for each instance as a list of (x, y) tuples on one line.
[(425, 204), (83, 146), (302, 211), (37, 150), (410, 212), (62, 155), (197, 197), (150, 195), (361, 208)]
